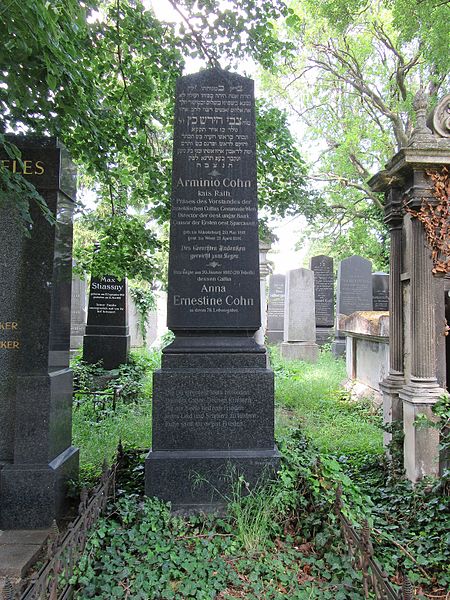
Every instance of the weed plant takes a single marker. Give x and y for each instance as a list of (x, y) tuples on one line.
[(141, 552)]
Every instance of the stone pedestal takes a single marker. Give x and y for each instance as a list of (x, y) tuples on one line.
[(213, 399), (36, 455), (204, 435), (299, 317)]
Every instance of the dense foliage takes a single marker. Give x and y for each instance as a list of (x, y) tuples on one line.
[(350, 89), (101, 76)]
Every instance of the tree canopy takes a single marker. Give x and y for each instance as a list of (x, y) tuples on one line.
[(101, 77), (351, 86)]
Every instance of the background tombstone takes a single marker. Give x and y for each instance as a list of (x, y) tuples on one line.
[(36, 455), (275, 309), (322, 266), (380, 291), (213, 399), (299, 317), (264, 271), (354, 293), (107, 337), (78, 313)]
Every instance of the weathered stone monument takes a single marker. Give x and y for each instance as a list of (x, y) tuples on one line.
[(135, 326), (417, 373), (275, 309), (264, 271), (78, 313), (380, 291), (213, 399), (299, 317), (322, 267), (107, 336), (36, 455), (354, 293)]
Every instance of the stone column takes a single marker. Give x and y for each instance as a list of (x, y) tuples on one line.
[(422, 391), (391, 386), (264, 272)]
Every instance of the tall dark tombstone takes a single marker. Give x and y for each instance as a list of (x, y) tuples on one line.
[(354, 293), (36, 455), (213, 399), (322, 266), (107, 337), (380, 291), (275, 309)]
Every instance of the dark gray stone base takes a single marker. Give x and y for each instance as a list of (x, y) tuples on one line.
[(338, 347), (324, 335), (33, 495), (112, 350), (274, 336), (202, 480)]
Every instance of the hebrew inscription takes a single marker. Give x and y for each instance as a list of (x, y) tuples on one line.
[(213, 270)]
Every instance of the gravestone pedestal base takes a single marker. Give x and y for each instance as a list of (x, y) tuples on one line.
[(212, 421), (421, 445), (338, 347), (324, 335), (112, 350), (34, 487), (392, 405), (306, 351)]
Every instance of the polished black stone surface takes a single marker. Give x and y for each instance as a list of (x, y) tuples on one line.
[(35, 382), (380, 289), (213, 399), (107, 336), (214, 256)]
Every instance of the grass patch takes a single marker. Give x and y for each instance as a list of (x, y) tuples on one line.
[(311, 395), (96, 431)]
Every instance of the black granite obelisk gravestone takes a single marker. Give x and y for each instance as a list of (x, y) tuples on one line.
[(36, 455), (213, 399), (107, 337)]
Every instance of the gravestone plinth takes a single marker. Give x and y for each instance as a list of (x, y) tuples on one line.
[(275, 309), (299, 317), (354, 293), (380, 291), (36, 455), (213, 399), (322, 267), (107, 337)]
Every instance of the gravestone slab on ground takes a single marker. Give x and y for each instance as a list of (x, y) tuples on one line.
[(353, 293), (107, 337), (380, 291), (36, 455), (299, 317), (322, 267), (213, 399), (275, 310)]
